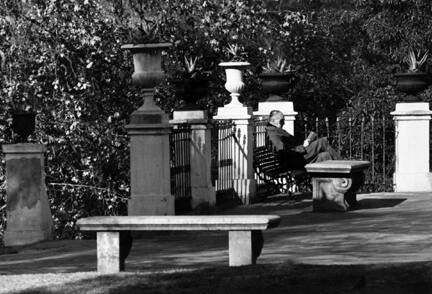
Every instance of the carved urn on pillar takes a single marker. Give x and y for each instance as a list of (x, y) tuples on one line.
[(23, 124), (190, 89), (147, 60), (415, 80), (234, 80), (411, 83), (149, 138), (276, 84)]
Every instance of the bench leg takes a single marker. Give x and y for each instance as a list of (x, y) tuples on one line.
[(244, 247), (108, 252)]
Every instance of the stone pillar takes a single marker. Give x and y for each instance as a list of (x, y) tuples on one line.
[(412, 148), (287, 108), (149, 157), (28, 212), (243, 175), (202, 190), (149, 137)]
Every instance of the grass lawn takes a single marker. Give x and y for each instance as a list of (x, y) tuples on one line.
[(269, 278)]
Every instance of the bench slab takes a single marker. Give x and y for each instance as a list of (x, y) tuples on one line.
[(113, 234), (179, 223), (335, 183)]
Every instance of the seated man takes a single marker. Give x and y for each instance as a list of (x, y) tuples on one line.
[(291, 154)]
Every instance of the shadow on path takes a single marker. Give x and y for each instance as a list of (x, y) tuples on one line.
[(373, 203), (269, 278)]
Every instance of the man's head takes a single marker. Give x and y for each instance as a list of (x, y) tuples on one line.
[(276, 118)]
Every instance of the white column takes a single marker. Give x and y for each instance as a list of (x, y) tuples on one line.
[(412, 148), (202, 190), (287, 108), (243, 175)]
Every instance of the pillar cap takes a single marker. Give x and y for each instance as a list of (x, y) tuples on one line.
[(264, 108), (412, 109), (190, 121), (24, 148), (241, 112), (136, 129), (189, 115)]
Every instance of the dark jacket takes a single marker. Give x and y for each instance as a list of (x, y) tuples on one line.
[(290, 152)]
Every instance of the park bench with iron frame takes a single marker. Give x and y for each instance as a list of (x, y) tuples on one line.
[(269, 170)]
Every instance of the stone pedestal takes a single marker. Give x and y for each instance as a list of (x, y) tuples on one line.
[(150, 170), (412, 148), (244, 182), (335, 183), (202, 190), (287, 108), (28, 212)]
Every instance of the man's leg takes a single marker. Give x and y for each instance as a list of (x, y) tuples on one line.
[(318, 146), (333, 153), (323, 156)]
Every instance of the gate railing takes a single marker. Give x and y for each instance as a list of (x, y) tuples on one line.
[(180, 142), (223, 133), (359, 138)]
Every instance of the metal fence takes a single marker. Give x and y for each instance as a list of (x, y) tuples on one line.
[(222, 142), (259, 140), (180, 142), (359, 138)]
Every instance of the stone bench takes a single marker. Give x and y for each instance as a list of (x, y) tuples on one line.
[(335, 183), (114, 241)]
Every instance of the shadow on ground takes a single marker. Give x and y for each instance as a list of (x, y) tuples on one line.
[(268, 278), (373, 203)]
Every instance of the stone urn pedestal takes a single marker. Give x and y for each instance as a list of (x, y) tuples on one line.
[(28, 213), (275, 84), (202, 191), (287, 108), (242, 172), (234, 84), (149, 131), (412, 147)]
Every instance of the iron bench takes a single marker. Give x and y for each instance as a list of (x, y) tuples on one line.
[(335, 183), (244, 234), (268, 169)]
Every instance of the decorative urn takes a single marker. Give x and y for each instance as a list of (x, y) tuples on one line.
[(148, 73), (23, 123), (411, 83), (277, 83), (234, 80), (190, 89)]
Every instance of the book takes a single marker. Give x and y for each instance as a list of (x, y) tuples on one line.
[(312, 137)]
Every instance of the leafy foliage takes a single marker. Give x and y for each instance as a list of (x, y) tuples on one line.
[(70, 69)]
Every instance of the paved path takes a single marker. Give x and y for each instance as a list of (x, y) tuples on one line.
[(387, 228)]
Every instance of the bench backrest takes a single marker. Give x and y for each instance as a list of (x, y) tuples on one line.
[(266, 161), (179, 223)]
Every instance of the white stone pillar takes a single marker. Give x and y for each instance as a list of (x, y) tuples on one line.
[(202, 190), (287, 108), (28, 213), (149, 158), (412, 148), (243, 175)]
